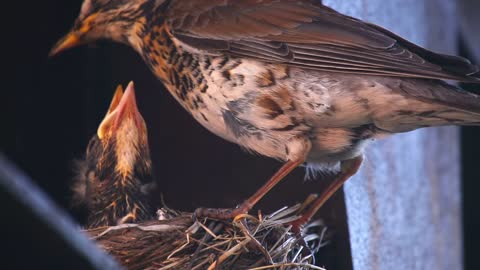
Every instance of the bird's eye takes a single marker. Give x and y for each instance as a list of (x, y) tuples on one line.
[(87, 8), (91, 6)]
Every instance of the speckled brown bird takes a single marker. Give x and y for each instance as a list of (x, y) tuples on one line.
[(115, 178), (290, 79)]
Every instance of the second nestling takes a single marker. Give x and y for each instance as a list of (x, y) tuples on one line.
[(115, 177)]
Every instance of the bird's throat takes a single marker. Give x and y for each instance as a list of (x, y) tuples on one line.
[(179, 70)]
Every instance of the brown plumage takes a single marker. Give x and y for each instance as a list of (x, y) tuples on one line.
[(115, 177), (290, 79), (309, 35)]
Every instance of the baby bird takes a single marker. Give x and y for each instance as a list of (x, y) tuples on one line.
[(115, 177)]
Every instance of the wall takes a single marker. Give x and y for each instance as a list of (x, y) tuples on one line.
[(403, 207), (469, 21)]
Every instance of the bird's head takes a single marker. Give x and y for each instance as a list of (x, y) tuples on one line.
[(107, 19), (123, 135), (116, 175)]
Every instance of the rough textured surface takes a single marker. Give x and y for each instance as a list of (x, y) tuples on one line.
[(468, 12), (404, 205)]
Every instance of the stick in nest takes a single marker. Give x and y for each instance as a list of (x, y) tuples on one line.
[(247, 242)]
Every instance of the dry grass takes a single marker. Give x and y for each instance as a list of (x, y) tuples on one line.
[(248, 242)]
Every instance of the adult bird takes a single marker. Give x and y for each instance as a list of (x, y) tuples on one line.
[(115, 177), (290, 79)]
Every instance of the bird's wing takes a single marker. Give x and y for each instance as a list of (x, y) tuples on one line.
[(307, 34)]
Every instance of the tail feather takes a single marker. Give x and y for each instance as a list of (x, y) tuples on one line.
[(440, 92), (434, 103)]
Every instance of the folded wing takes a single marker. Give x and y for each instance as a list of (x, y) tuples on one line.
[(306, 34)]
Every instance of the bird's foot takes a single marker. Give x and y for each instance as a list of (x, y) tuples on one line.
[(297, 225), (297, 228)]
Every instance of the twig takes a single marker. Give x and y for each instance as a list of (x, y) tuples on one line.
[(228, 253)]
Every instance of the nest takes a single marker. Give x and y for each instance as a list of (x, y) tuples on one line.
[(248, 242)]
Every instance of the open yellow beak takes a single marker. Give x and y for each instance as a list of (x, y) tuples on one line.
[(71, 40), (117, 97), (122, 107)]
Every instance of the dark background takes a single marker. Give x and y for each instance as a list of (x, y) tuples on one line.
[(51, 108)]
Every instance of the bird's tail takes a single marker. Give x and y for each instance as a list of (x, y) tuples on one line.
[(433, 103)]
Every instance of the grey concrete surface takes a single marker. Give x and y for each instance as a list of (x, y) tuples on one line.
[(404, 206), (468, 14)]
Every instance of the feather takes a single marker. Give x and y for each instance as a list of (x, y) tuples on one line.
[(306, 34)]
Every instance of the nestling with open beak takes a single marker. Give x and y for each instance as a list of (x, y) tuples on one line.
[(115, 178), (293, 80)]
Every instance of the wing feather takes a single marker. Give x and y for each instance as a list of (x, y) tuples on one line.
[(306, 34)]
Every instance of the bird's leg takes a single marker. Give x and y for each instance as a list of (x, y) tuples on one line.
[(348, 169), (225, 214)]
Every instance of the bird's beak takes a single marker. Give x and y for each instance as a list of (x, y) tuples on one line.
[(116, 99), (71, 40), (122, 107), (127, 108), (76, 37)]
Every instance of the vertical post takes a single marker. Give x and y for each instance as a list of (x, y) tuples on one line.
[(469, 21), (404, 206)]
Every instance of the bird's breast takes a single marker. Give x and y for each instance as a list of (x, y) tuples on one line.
[(265, 108)]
